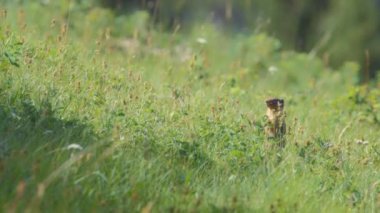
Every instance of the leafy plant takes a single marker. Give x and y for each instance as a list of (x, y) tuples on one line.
[(10, 51)]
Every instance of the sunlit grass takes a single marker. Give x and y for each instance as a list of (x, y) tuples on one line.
[(168, 123)]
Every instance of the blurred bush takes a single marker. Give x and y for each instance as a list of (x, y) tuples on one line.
[(337, 30)]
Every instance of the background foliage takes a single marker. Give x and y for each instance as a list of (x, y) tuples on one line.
[(337, 30)]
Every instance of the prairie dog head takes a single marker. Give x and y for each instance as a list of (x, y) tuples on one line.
[(275, 109)]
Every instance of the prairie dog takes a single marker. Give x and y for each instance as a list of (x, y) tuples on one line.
[(276, 126)]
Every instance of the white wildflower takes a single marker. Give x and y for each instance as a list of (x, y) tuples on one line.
[(48, 131), (74, 146), (232, 178), (201, 40), (272, 69), (361, 142)]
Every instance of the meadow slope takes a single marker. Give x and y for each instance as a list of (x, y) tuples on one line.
[(173, 121)]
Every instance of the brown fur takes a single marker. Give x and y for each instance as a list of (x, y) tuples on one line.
[(276, 126)]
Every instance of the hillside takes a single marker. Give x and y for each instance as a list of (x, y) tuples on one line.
[(100, 112)]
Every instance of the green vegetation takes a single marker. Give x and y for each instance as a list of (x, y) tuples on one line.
[(100, 112), (337, 30)]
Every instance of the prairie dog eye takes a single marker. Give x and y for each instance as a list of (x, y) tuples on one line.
[(280, 103)]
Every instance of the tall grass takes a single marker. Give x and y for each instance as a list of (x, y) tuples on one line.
[(174, 122)]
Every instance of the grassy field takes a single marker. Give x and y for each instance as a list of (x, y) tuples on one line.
[(100, 112)]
